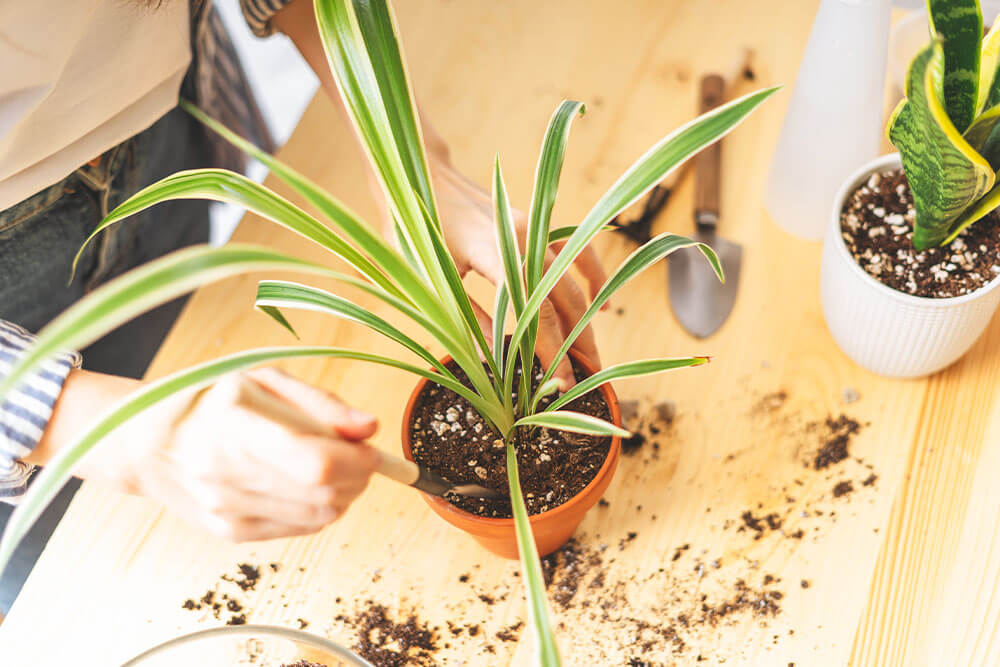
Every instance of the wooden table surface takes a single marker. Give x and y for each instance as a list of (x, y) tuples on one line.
[(899, 572)]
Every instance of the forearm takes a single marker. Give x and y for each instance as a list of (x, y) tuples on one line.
[(85, 396)]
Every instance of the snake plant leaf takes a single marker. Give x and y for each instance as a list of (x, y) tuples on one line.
[(986, 205), (958, 24), (642, 258), (946, 175), (628, 369), (574, 422), (58, 471), (232, 188), (983, 135), (534, 581), (989, 66), (666, 155), (127, 296)]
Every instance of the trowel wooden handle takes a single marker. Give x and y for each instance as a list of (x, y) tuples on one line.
[(708, 163), (254, 397)]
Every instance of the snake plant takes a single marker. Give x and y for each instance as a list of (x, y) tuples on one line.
[(946, 127), (419, 280)]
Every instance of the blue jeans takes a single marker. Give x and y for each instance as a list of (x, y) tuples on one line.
[(39, 238)]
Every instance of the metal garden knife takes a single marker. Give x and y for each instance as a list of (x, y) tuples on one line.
[(700, 302)]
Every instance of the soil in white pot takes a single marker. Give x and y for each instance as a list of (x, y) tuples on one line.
[(448, 436), (877, 226)]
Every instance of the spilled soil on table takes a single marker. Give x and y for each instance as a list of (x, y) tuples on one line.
[(671, 606)]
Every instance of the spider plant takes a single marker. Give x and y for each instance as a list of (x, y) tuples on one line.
[(419, 281), (946, 128)]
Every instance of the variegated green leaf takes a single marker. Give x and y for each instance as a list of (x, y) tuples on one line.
[(534, 582), (232, 188), (284, 294), (407, 276), (58, 471), (945, 174), (958, 24), (637, 180), (507, 240), (574, 422), (118, 301), (628, 369), (543, 198), (642, 258), (373, 84)]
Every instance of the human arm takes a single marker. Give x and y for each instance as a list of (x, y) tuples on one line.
[(202, 454)]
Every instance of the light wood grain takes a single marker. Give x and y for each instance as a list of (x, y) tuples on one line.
[(904, 569)]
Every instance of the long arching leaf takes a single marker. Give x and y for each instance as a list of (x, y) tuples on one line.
[(621, 371), (543, 198), (638, 179), (352, 59), (399, 268), (574, 422), (534, 581), (58, 471), (284, 294), (232, 188), (642, 258), (142, 289)]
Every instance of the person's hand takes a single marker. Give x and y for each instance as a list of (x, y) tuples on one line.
[(236, 473), (466, 212)]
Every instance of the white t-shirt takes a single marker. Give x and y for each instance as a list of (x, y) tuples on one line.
[(78, 77)]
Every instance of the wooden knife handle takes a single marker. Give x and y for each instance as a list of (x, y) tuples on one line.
[(708, 163), (252, 396)]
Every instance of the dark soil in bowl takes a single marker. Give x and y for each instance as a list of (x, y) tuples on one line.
[(447, 435), (877, 226)]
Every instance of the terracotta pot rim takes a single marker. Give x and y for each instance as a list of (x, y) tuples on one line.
[(461, 515)]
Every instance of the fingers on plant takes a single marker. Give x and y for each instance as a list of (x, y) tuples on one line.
[(419, 282)]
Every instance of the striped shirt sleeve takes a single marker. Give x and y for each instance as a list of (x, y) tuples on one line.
[(258, 14), (26, 410)]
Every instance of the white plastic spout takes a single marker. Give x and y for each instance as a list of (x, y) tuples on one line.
[(834, 118)]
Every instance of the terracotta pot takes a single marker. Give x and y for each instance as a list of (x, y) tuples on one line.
[(551, 528)]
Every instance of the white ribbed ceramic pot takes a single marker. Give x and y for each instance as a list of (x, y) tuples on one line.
[(884, 330)]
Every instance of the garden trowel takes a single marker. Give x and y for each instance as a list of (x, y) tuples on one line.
[(701, 303), (255, 397)]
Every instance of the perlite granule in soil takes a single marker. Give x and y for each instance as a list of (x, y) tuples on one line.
[(448, 436), (877, 226)]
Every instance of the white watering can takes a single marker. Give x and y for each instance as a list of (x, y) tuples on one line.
[(835, 119)]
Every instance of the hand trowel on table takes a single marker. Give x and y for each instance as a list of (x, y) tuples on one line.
[(701, 303)]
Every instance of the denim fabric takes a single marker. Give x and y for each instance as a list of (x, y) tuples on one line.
[(40, 236)]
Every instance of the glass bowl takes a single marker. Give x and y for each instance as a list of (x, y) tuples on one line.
[(256, 645)]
